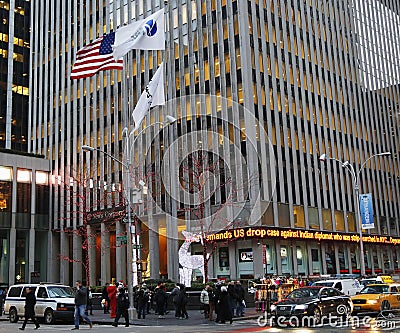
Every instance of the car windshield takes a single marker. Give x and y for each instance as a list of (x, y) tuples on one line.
[(374, 289), (303, 293), (60, 291), (325, 284)]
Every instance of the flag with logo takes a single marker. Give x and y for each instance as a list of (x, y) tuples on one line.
[(145, 34), (152, 95), (96, 56)]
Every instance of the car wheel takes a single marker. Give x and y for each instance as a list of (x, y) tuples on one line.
[(48, 317), (13, 315), (316, 315)]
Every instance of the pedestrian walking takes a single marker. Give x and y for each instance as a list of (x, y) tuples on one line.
[(182, 301), (232, 296), (160, 297), (142, 298), (80, 305), (105, 300), (240, 294), (224, 306), (205, 301), (212, 300), (175, 299), (122, 307), (89, 305), (30, 302)]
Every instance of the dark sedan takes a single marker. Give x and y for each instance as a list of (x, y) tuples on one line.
[(311, 306)]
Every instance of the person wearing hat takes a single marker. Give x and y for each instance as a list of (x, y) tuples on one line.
[(122, 307), (225, 311)]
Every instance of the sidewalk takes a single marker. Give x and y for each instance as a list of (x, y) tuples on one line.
[(195, 318)]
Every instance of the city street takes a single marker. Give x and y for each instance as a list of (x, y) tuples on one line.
[(195, 323)]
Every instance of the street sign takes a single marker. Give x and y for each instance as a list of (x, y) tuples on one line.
[(137, 246), (122, 239)]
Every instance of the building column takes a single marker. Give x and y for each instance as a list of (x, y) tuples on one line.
[(53, 266), (31, 254), (258, 267), (154, 249), (323, 259), (120, 252), (92, 254), (64, 252), (77, 255), (348, 253), (233, 262), (278, 257), (337, 263), (310, 262), (172, 249), (105, 255), (12, 249)]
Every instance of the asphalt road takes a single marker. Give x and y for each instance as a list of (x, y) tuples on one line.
[(239, 326)]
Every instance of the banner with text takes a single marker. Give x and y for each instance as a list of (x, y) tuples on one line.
[(367, 217)]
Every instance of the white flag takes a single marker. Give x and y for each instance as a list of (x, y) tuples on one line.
[(152, 95), (146, 34)]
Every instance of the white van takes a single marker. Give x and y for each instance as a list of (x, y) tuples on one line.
[(348, 287), (53, 302)]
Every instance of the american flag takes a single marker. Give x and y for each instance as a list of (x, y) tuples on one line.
[(95, 57)]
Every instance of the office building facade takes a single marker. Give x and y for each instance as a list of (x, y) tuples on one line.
[(24, 188), (260, 89)]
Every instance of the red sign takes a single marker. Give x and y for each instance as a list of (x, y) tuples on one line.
[(264, 247), (378, 270), (356, 271), (344, 271)]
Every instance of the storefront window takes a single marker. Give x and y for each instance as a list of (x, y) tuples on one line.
[(330, 259), (315, 260), (327, 219), (286, 259), (313, 218), (339, 220), (351, 224), (270, 257), (21, 251), (4, 256), (5, 196), (301, 256), (299, 221), (343, 261)]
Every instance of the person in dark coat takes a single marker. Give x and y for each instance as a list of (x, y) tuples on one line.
[(182, 301), (105, 300), (240, 294), (30, 302), (175, 299), (232, 297), (160, 298), (142, 297), (224, 306), (80, 305), (122, 307)]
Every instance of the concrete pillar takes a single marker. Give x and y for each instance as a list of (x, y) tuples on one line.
[(120, 252), (64, 252), (172, 249), (233, 261), (323, 259), (31, 254), (77, 273), (154, 248), (92, 254), (293, 250), (278, 257), (257, 258), (337, 259), (105, 256)]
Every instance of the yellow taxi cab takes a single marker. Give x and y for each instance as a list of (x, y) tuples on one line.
[(376, 298)]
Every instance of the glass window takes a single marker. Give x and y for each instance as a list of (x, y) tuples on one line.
[(339, 220), (351, 224), (42, 293), (42, 199), (283, 215), (14, 292), (24, 197), (327, 219), (5, 196), (299, 221), (33, 289), (313, 218)]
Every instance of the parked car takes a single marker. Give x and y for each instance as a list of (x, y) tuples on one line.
[(377, 298), (53, 302), (348, 287), (314, 303)]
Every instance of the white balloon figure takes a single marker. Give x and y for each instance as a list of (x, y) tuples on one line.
[(188, 261)]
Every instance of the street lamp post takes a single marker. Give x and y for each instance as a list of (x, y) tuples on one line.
[(129, 189), (355, 176)]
